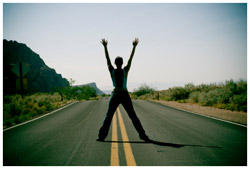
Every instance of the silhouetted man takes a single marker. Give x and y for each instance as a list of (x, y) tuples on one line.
[(120, 94)]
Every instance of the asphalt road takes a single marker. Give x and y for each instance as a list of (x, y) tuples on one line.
[(67, 138)]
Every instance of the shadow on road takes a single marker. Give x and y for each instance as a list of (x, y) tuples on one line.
[(161, 144)]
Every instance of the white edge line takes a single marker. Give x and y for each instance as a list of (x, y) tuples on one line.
[(39, 117), (242, 125)]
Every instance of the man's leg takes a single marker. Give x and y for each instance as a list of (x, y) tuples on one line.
[(127, 104), (112, 106)]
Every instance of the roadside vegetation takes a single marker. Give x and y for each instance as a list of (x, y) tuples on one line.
[(17, 110), (230, 95), (143, 90)]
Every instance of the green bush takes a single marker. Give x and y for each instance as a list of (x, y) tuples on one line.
[(80, 92), (17, 110), (142, 90), (178, 93), (230, 95), (42, 110), (46, 104), (194, 97), (240, 101)]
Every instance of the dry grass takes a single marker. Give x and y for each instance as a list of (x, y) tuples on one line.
[(234, 116)]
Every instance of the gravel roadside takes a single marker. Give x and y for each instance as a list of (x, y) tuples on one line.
[(233, 116)]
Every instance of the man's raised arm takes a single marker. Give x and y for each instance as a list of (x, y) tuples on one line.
[(105, 43), (135, 43)]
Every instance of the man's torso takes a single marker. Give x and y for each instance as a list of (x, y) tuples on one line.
[(119, 78)]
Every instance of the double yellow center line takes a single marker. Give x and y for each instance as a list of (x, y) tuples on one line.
[(114, 161)]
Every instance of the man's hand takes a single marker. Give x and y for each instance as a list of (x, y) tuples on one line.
[(104, 42), (135, 42)]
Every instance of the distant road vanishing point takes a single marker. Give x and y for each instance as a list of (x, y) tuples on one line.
[(67, 138)]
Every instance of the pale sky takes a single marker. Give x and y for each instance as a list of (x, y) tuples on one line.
[(179, 43)]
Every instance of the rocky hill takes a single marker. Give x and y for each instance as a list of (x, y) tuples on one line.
[(93, 85), (39, 78)]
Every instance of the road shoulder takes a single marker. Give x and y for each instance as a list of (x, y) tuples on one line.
[(232, 116)]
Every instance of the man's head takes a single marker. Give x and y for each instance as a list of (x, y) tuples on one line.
[(118, 61)]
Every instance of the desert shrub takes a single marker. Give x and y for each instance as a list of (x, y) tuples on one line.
[(194, 97), (16, 119), (190, 87), (152, 95), (178, 93), (80, 92), (17, 110), (87, 92), (213, 97), (24, 117), (7, 99), (6, 111), (42, 109), (230, 95), (240, 102), (231, 87), (8, 122), (142, 90)]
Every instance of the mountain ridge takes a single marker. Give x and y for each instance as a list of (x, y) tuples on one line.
[(94, 86), (40, 77)]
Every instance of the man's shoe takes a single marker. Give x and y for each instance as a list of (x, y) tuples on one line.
[(145, 138), (99, 139)]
